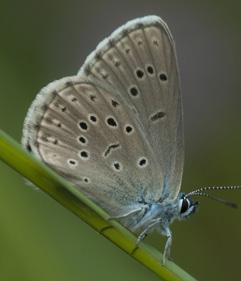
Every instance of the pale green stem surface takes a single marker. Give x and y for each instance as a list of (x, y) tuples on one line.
[(72, 199)]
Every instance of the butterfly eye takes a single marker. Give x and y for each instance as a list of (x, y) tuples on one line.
[(184, 205)]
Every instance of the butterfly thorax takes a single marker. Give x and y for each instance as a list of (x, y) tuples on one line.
[(158, 214)]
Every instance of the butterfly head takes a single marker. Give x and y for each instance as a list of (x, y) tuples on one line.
[(186, 206)]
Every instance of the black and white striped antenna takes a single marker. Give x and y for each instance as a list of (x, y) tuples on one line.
[(203, 192)]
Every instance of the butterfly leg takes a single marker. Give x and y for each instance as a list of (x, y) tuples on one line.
[(124, 215), (167, 249), (141, 209), (144, 233)]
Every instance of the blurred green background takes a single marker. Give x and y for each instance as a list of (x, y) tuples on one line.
[(45, 40)]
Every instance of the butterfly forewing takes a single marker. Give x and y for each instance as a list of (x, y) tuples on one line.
[(139, 62)]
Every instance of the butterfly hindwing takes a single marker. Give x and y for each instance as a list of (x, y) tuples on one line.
[(92, 138)]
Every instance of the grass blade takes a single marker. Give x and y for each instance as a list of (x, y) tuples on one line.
[(72, 199)]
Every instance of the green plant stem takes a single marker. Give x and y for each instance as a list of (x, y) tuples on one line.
[(72, 199)]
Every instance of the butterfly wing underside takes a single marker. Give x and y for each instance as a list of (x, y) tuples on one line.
[(139, 61), (115, 129)]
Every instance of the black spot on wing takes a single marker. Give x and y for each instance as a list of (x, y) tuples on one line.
[(110, 148), (158, 115)]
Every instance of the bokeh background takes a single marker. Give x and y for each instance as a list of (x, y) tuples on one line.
[(45, 40)]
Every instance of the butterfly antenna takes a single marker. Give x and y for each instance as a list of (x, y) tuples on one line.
[(201, 192)]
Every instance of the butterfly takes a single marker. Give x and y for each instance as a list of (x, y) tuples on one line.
[(115, 130)]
